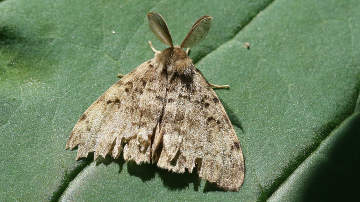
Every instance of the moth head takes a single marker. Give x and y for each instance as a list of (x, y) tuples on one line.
[(196, 34)]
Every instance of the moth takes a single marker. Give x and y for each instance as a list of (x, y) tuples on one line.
[(247, 45), (166, 113)]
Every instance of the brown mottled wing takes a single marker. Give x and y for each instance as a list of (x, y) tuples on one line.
[(196, 130), (123, 118)]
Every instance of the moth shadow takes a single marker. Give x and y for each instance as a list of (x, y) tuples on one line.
[(212, 187), (147, 172), (173, 181), (108, 160), (233, 118)]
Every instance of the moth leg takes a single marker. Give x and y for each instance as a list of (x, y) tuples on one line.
[(214, 86), (152, 47), (120, 75), (187, 51)]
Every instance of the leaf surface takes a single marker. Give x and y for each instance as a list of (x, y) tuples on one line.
[(290, 92)]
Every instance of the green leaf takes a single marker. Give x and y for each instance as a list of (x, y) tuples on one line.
[(298, 81), (331, 172)]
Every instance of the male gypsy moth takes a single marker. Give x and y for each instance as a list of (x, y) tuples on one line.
[(165, 112)]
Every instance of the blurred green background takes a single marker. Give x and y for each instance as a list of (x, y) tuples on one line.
[(294, 96)]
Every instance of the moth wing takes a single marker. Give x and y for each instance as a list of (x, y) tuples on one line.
[(197, 32), (123, 118), (159, 27), (196, 131)]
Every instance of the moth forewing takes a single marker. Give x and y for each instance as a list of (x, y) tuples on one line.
[(159, 27), (197, 32)]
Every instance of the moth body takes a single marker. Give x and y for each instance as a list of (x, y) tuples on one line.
[(175, 62)]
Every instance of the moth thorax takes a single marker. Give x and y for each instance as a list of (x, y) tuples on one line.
[(175, 60)]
